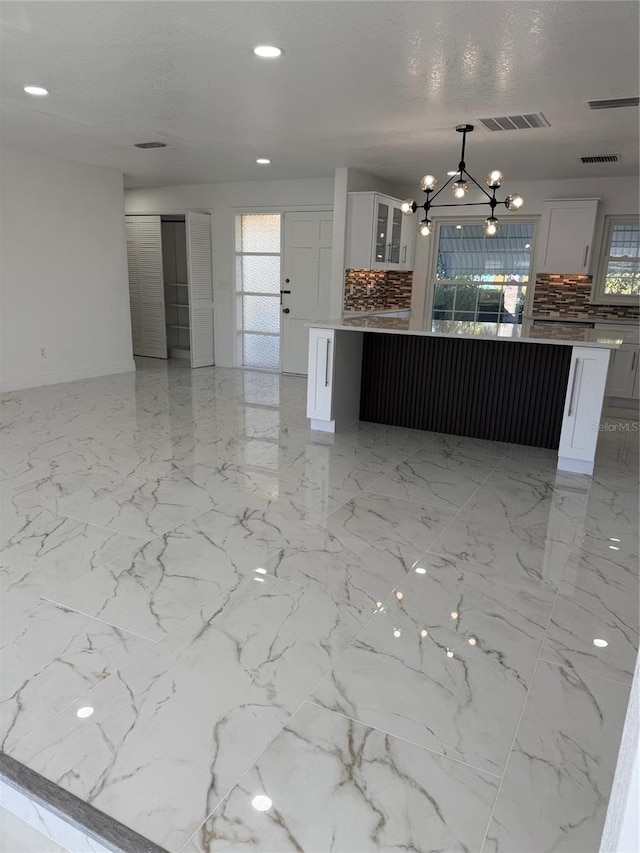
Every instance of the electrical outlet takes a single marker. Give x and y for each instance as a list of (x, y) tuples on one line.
[(43, 352)]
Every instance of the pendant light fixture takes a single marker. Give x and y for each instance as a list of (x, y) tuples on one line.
[(460, 188)]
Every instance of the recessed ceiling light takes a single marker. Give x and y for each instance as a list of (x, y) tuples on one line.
[(263, 161), (38, 91), (459, 227), (420, 571), (601, 644), (267, 51)]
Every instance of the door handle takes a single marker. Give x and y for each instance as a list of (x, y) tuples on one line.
[(283, 291), (586, 252), (326, 364), (286, 310), (573, 387), (404, 256)]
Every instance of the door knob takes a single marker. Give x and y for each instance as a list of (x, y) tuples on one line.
[(285, 310)]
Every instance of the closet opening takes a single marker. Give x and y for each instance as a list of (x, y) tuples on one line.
[(171, 286), (176, 286)]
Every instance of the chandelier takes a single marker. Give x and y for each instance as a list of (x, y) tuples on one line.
[(460, 188)]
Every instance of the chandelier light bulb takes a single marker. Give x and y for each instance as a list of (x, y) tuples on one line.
[(426, 227), (514, 202), (407, 206), (460, 188), (491, 226), (495, 179), (428, 183)]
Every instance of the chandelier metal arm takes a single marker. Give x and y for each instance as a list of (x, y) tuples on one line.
[(458, 204), (480, 187)]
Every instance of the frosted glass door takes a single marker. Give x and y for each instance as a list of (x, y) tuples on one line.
[(258, 290)]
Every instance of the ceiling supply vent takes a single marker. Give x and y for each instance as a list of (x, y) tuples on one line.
[(523, 122), (613, 103), (601, 158), (150, 145)]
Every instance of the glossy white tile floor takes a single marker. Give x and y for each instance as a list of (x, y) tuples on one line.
[(388, 633)]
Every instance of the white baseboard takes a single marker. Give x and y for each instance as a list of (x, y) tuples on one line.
[(576, 466), (37, 380)]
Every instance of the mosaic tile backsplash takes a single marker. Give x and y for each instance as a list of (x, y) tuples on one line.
[(570, 296), (377, 290)]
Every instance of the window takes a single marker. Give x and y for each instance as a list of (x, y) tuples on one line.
[(480, 278), (618, 278), (258, 290)]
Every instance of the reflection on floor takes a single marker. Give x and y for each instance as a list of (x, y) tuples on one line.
[(229, 632)]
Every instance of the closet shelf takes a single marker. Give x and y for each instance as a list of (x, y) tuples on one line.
[(173, 326), (174, 284), (177, 304)]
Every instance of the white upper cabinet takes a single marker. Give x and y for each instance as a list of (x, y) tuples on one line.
[(566, 236), (379, 236)]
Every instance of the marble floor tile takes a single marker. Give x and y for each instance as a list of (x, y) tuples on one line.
[(154, 589), (597, 600), (445, 662), (41, 551), (443, 481), (556, 786), (530, 553), (173, 731), (378, 527), (150, 509), (337, 785), (48, 657), (184, 556), (16, 836)]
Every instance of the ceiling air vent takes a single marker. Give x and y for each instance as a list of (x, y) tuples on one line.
[(523, 122), (150, 145), (613, 103), (601, 158)]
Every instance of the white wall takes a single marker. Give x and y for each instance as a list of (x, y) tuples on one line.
[(225, 202), (63, 278), (617, 196), (621, 832)]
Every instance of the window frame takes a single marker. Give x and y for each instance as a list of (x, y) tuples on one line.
[(598, 295), (474, 220)]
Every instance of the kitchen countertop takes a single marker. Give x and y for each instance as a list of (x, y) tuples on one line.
[(525, 333)]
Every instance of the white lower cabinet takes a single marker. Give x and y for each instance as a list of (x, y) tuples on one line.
[(333, 380), (624, 367), (583, 409), (320, 377)]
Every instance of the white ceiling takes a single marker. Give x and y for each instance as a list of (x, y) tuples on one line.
[(374, 85)]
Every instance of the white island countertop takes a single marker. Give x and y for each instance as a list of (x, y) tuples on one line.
[(525, 333)]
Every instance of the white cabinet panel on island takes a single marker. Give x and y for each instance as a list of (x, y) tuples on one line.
[(583, 408), (333, 381), (566, 236)]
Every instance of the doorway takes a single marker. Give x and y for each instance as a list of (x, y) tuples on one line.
[(283, 270)]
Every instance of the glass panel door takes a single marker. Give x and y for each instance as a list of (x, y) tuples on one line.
[(396, 236), (258, 290), (382, 220)]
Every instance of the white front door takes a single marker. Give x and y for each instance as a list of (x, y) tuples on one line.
[(306, 279)]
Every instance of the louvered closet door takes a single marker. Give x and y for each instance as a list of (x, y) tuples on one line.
[(200, 278), (154, 330), (131, 230)]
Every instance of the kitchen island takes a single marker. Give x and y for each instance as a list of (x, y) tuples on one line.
[(534, 385)]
